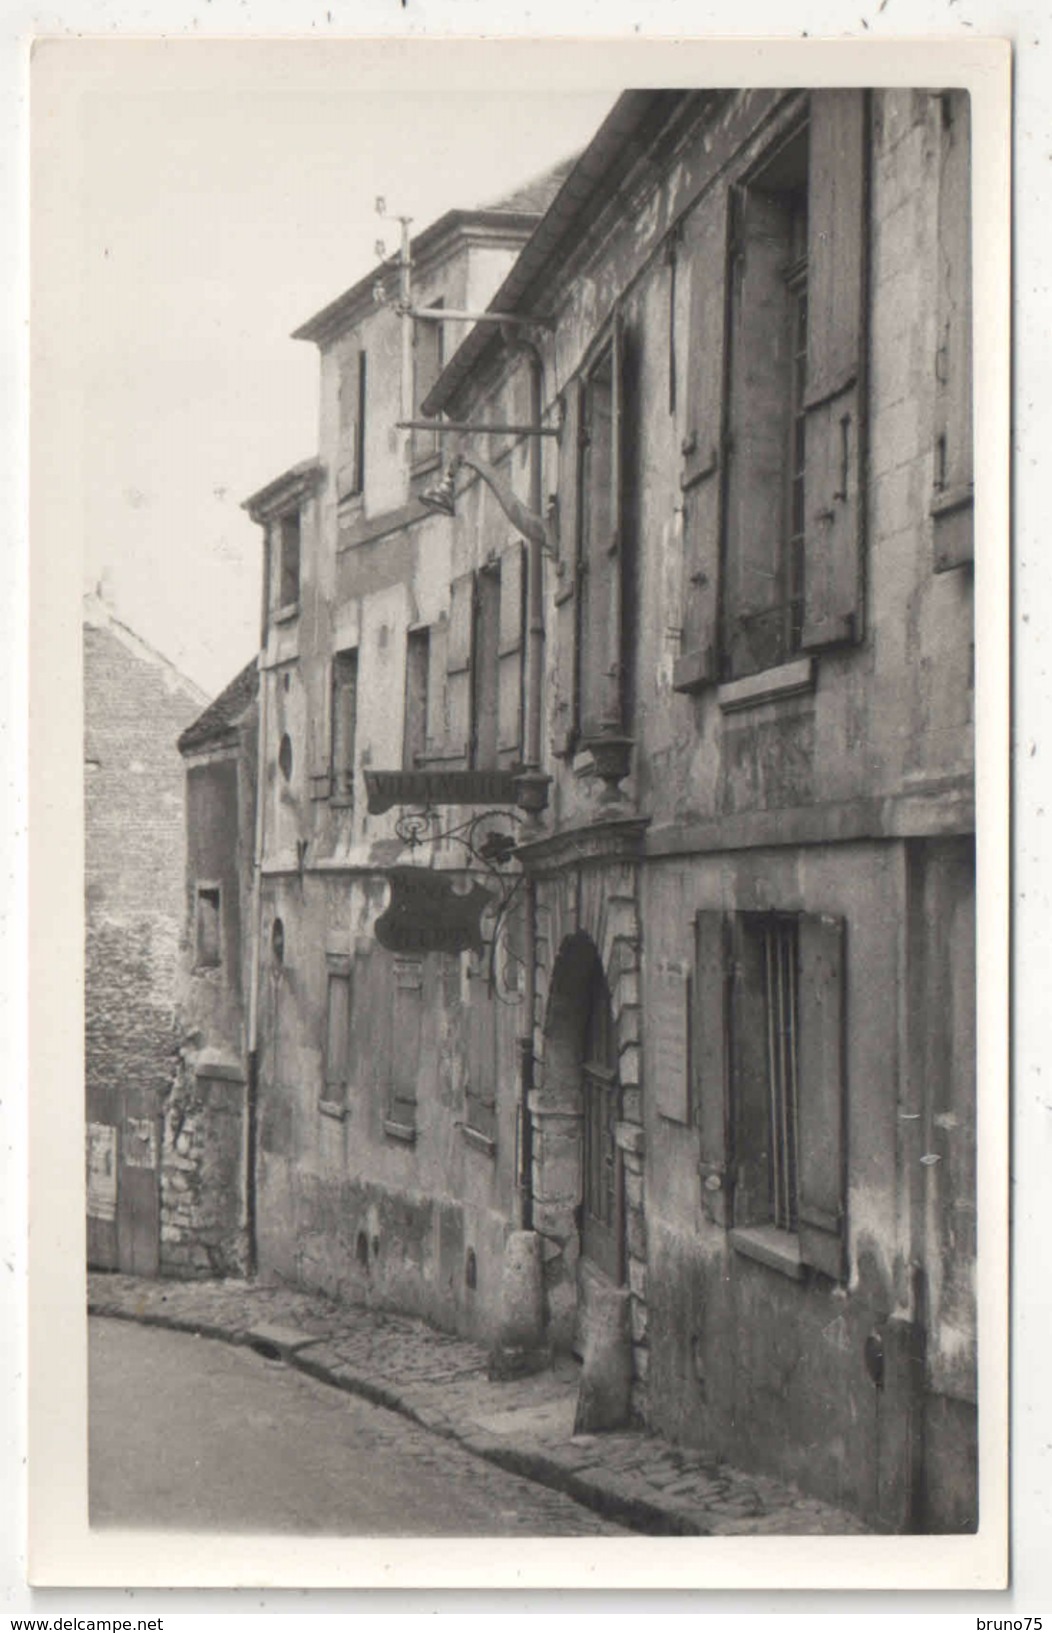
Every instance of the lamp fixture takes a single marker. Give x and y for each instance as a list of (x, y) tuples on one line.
[(440, 498)]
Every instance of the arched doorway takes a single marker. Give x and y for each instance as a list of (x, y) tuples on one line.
[(578, 1178)]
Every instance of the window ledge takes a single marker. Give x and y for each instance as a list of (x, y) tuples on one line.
[(948, 499), (286, 614), (778, 1249), (480, 1142), (403, 1132), (344, 801), (333, 1108), (788, 680)]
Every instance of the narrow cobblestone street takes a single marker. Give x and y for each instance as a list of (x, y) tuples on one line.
[(525, 1426), (189, 1433)]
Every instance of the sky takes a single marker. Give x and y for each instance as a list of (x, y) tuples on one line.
[(218, 212)]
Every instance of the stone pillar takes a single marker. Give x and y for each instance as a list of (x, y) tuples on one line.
[(522, 1346)]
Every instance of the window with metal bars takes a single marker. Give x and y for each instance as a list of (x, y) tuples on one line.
[(768, 1052)]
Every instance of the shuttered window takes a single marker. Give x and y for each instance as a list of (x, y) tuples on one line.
[(287, 587), (480, 1091), (767, 1054), (338, 1031), (344, 723), (953, 459), (350, 476), (599, 632), (484, 658), (417, 685), (774, 433), (406, 1021)]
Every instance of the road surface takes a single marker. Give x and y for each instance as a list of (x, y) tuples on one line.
[(189, 1433)]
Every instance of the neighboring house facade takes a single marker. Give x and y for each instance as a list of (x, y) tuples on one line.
[(207, 1193), (135, 705), (754, 1029), (362, 1169)]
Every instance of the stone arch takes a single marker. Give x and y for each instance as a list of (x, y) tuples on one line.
[(586, 913)]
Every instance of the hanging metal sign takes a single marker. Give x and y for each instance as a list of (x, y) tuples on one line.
[(388, 788), (427, 915)]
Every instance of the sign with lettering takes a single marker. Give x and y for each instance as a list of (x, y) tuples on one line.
[(140, 1142), (101, 1153), (426, 914), (670, 1034), (388, 788)]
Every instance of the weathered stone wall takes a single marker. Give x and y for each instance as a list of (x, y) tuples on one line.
[(135, 706), (202, 1179)]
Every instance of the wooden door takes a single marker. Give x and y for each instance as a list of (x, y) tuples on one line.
[(602, 1209)]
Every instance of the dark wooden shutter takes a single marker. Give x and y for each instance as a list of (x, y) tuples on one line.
[(563, 698), (599, 612), (436, 691), (952, 502), (821, 1084), (704, 250), (836, 295), (350, 474), (458, 670), (759, 384), (710, 1062), (750, 1069), (510, 654)]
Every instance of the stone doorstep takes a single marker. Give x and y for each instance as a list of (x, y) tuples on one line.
[(284, 1341)]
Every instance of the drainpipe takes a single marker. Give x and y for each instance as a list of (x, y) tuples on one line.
[(252, 1086), (534, 699)]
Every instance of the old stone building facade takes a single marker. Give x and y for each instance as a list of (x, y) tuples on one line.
[(209, 1139), (135, 705), (691, 601)]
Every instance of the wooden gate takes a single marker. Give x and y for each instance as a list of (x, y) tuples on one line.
[(123, 1181)]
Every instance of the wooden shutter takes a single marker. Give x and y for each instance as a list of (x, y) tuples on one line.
[(759, 389), (405, 1055), (563, 694), (952, 502), (438, 647), (600, 556), (704, 249), (338, 1028), (834, 439), (511, 652), (350, 474), (750, 1069), (321, 741), (417, 696), (710, 1062), (458, 670), (821, 1080), (481, 1089)]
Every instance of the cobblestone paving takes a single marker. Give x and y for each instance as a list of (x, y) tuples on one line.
[(525, 1426)]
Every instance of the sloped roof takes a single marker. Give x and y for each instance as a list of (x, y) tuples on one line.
[(224, 713), (589, 179), (535, 195)]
